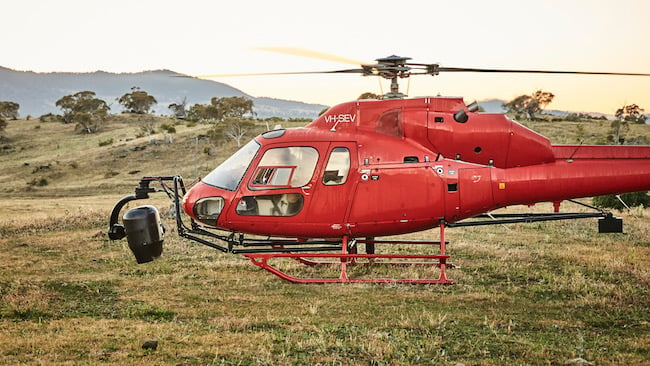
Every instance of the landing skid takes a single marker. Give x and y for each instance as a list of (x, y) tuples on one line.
[(349, 257)]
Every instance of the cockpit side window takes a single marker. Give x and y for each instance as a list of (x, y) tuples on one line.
[(338, 167), (285, 167)]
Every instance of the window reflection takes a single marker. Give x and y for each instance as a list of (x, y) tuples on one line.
[(390, 123), (285, 167), (338, 167)]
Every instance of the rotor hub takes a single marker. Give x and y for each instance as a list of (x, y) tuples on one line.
[(395, 67)]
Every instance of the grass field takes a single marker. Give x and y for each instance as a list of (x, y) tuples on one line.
[(533, 294)]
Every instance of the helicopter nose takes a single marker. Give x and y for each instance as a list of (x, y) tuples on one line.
[(205, 203)]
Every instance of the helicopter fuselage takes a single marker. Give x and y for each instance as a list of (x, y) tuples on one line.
[(377, 168)]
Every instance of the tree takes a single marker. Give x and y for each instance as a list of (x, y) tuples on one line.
[(518, 105), (369, 95), (179, 110), (529, 104), (619, 127), (631, 113), (84, 109), (231, 128), (236, 107), (9, 110), (236, 128), (204, 112), (137, 101), (221, 108), (625, 115), (196, 112)]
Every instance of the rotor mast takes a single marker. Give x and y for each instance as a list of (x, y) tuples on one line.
[(395, 67)]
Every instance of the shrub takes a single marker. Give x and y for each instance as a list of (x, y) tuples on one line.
[(110, 174), (38, 182), (105, 142), (168, 128), (631, 199)]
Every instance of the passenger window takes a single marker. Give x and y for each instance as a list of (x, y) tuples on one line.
[(338, 167), (270, 205), (285, 167)]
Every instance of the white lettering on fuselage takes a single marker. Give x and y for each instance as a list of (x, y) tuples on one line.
[(341, 118)]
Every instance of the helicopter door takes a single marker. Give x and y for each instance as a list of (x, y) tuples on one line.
[(331, 195), (276, 191)]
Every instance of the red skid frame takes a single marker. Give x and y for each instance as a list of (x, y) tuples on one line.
[(344, 259)]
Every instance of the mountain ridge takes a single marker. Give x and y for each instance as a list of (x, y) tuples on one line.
[(37, 92)]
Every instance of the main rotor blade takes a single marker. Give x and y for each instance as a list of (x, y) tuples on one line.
[(345, 71), (295, 51), (514, 71)]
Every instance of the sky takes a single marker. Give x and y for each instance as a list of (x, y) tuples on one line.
[(222, 37)]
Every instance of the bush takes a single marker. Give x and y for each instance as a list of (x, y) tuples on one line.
[(50, 118), (105, 142), (42, 182), (631, 199), (168, 128)]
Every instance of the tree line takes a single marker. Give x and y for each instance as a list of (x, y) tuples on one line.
[(231, 115), (88, 112)]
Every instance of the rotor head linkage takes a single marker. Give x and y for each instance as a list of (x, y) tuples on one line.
[(394, 67)]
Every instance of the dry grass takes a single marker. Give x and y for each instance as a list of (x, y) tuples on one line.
[(533, 294)]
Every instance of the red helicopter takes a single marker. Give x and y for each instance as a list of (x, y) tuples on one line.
[(374, 168)]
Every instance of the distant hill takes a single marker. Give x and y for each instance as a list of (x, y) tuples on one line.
[(38, 92)]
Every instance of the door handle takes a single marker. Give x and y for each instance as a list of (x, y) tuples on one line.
[(305, 189)]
